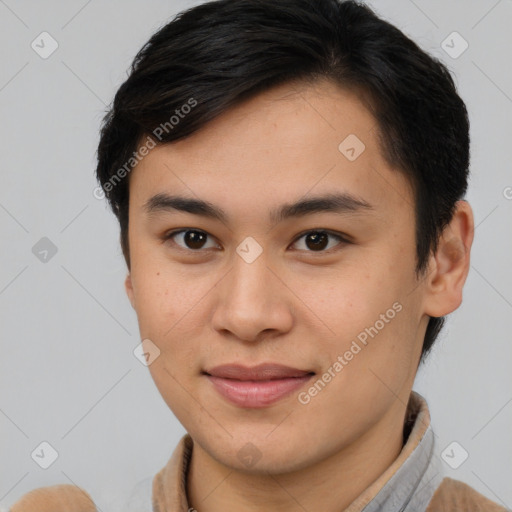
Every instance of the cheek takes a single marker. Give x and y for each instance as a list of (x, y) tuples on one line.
[(160, 301), (170, 311), (347, 301), (152, 303), (363, 312)]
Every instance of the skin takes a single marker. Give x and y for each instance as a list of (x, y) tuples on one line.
[(293, 305)]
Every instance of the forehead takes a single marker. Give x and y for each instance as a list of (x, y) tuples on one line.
[(283, 144)]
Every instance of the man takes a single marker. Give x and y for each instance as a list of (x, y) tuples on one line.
[(289, 180)]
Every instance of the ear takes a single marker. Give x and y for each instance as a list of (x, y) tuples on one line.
[(129, 289), (449, 266)]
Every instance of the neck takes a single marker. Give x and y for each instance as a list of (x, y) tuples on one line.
[(331, 484)]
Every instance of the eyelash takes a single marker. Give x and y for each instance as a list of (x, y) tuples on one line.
[(342, 239)]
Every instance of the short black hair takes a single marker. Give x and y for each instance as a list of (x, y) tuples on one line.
[(213, 56)]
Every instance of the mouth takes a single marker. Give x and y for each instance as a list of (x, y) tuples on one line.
[(257, 386)]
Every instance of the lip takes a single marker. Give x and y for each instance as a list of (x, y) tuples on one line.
[(258, 386)]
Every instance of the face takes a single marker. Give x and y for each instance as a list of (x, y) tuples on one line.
[(326, 287)]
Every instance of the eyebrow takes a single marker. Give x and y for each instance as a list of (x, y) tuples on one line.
[(342, 203)]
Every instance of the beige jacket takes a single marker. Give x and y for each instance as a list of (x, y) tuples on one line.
[(413, 483)]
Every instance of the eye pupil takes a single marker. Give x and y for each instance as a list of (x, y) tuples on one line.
[(194, 239), (319, 240)]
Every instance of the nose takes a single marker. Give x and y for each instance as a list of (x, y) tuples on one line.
[(252, 302)]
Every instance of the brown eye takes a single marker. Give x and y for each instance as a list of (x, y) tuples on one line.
[(317, 241), (192, 239)]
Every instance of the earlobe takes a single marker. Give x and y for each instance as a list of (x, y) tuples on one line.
[(129, 289), (449, 267)]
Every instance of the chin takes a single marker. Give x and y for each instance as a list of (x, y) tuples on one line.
[(259, 454)]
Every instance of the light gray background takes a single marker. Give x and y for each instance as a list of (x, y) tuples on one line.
[(67, 372)]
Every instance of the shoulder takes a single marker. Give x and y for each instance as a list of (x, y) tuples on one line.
[(454, 496), (56, 498)]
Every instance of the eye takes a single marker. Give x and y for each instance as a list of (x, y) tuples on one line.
[(314, 240), (318, 240), (191, 239)]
